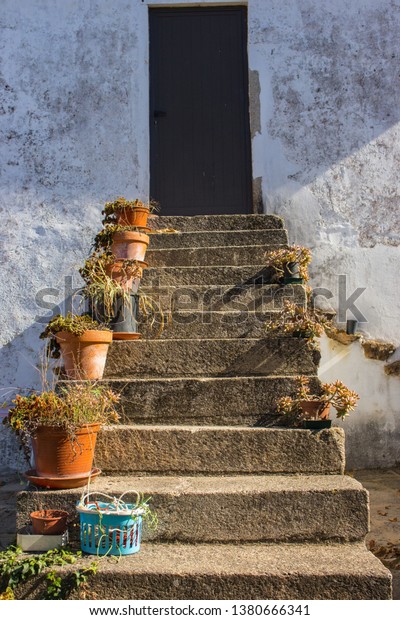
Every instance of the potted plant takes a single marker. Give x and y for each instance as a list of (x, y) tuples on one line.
[(125, 273), (62, 428), (313, 409), (128, 212), (83, 343), (299, 322), (290, 264), (124, 242), (111, 290)]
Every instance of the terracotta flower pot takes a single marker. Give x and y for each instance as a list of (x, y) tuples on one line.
[(136, 216), (130, 244), (58, 455), (315, 409), (127, 277), (49, 521), (84, 356)]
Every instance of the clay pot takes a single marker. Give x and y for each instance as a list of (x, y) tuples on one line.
[(49, 521), (127, 277), (136, 216), (84, 356), (58, 455), (315, 409), (130, 244)]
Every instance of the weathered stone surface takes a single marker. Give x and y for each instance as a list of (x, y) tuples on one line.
[(244, 572), (393, 368), (140, 449), (242, 298), (197, 400), (186, 276), (220, 509), (217, 222), (216, 239), (206, 325), (198, 257), (341, 336), (224, 357), (377, 349)]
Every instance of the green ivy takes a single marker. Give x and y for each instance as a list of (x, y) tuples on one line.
[(17, 568)]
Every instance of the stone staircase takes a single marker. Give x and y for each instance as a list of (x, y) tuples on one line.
[(247, 510)]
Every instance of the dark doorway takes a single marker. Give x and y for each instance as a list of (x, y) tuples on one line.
[(200, 159)]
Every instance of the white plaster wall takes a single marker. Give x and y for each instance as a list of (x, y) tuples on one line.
[(328, 153), (74, 133)]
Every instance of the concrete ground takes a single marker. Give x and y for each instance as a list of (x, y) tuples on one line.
[(383, 539)]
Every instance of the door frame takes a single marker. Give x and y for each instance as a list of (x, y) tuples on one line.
[(241, 199)]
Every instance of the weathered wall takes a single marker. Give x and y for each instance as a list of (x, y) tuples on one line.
[(73, 125), (328, 152), (74, 133)]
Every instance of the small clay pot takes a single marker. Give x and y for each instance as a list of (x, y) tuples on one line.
[(134, 216), (130, 244), (57, 454), (49, 521), (84, 356), (315, 409)]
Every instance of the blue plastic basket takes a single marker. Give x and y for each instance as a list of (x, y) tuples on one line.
[(105, 531)]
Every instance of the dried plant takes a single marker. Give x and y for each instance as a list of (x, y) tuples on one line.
[(101, 288), (68, 409), (299, 322), (73, 324), (121, 203), (104, 239), (280, 259), (336, 394), (151, 311)]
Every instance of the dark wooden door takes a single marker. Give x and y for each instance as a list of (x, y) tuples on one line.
[(200, 160)]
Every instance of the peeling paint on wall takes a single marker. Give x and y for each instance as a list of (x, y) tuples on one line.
[(329, 153), (255, 103)]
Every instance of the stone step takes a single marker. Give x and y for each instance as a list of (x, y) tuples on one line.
[(197, 509), (207, 275), (242, 298), (199, 257), (234, 401), (206, 239), (209, 325), (202, 358), (259, 572), (216, 222), (213, 450)]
